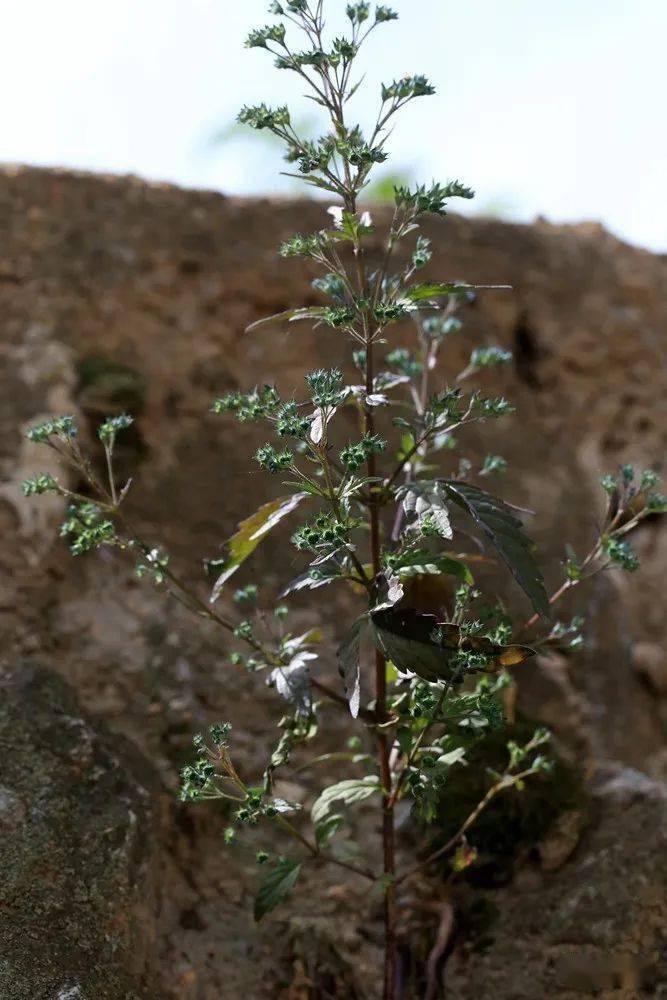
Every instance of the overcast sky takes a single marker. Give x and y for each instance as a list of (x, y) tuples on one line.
[(551, 108)]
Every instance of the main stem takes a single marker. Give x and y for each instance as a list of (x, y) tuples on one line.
[(337, 94), (388, 837)]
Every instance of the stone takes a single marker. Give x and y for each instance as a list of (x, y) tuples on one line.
[(650, 662), (115, 292), (79, 842), (595, 927)]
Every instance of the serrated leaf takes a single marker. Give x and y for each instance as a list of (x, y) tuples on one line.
[(426, 499), (292, 681), (276, 886), (327, 829), (349, 792), (288, 316), (423, 645), (348, 664), (389, 591), (498, 521), (297, 642), (327, 573), (320, 420), (389, 380), (455, 756), (312, 179), (250, 533), (285, 808), (436, 566), (434, 290)]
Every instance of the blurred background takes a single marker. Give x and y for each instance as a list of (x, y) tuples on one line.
[(545, 109)]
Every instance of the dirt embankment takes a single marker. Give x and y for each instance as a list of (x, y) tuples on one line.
[(118, 294)]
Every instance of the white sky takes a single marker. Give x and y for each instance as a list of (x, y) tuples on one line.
[(552, 108)]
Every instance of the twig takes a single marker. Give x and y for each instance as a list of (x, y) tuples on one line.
[(445, 928)]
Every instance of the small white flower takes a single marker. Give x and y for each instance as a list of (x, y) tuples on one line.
[(366, 219)]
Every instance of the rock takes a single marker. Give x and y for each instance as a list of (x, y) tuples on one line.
[(597, 926), (560, 841), (650, 661), (79, 835), (118, 293)]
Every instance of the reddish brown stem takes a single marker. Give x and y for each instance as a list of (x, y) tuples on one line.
[(388, 836)]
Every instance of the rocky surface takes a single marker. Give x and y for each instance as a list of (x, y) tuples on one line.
[(81, 831), (115, 293), (598, 927)]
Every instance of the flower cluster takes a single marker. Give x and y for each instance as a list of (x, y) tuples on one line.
[(439, 327), (303, 246), (108, 430), (489, 357), (621, 552), (326, 387), (260, 116), (290, 423), (87, 528), (385, 313), (384, 13), (63, 428), (256, 405), (326, 532), (260, 37), (491, 406), (356, 455), (293, 6), (341, 317), (37, 485), (494, 464), (407, 88), (405, 362), (272, 460), (431, 199)]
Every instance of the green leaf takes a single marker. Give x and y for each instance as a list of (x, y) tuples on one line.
[(504, 529), (349, 792), (288, 316), (427, 499), (436, 290), (419, 643), (313, 179), (250, 533), (292, 681), (327, 829), (313, 578), (455, 756), (348, 664), (278, 884), (425, 565)]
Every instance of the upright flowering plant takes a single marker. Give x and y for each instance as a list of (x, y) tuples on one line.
[(379, 513)]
